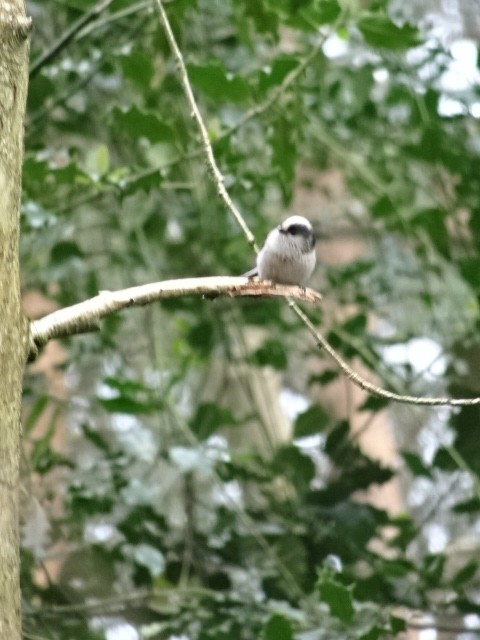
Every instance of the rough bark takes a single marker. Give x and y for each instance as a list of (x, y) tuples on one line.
[(14, 30)]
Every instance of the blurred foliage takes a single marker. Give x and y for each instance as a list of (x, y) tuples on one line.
[(148, 516)]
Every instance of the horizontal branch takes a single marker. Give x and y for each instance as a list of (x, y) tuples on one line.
[(84, 316)]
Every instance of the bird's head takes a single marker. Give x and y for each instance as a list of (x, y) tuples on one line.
[(298, 227)]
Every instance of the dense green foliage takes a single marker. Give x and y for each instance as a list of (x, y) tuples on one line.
[(149, 510)]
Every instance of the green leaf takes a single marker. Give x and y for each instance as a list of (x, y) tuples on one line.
[(272, 353), (467, 506), (311, 421), (39, 91), (465, 574), (433, 567), (465, 424), (291, 463), (356, 325), (443, 460), (139, 124), (326, 11), (415, 464), (210, 417), (317, 12), (324, 378), (397, 625), (96, 439), (39, 406), (126, 386), (215, 82), (265, 19), (65, 250), (98, 160), (138, 67), (123, 404), (277, 628), (432, 221), (380, 31), (372, 634), (398, 568), (338, 598), (43, 458), (201, 336), (277, 72), (468, 606), (87, 501), (470, 270), (133, 397), (38, 173), (338, 439), (374, 403), (383, 207)]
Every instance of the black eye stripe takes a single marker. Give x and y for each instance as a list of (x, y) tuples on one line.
[(299, 229)]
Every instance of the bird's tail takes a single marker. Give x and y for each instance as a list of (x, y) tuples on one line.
[(251, 274)]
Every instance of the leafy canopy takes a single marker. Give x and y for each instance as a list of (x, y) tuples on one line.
[(153, 514)]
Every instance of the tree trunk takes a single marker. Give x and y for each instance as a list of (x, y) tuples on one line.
[(14, 30)]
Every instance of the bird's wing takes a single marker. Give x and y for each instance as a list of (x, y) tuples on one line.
[(251, 274)]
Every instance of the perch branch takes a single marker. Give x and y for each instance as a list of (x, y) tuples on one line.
[(84, 316), (321, 342)]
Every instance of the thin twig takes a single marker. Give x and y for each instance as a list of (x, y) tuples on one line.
[(462, 464), (113, 17), (84, 316), (67, 37), (275, 93), (369, 386), (207, 147), (121, 601), (106, 605), (219, 182)]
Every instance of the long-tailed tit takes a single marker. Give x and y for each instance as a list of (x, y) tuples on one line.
[(288, 255)]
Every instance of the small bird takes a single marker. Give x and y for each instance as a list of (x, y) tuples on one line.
[(288, 255)]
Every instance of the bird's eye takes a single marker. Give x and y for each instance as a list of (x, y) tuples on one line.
[(293, 231)]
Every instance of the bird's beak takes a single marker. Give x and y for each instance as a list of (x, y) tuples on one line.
[(281, 229)]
